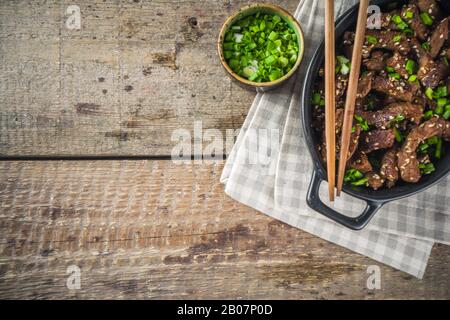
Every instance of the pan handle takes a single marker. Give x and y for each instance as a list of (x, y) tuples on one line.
[(356, 223)]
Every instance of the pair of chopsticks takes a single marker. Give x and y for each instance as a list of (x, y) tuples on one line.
[(330, 92)]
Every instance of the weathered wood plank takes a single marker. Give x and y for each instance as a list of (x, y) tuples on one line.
[(155, 229), (133, 73)]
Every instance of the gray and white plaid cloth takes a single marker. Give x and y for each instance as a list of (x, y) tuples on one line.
[(401, 235)]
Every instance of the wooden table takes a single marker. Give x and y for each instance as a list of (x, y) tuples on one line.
[(86, 121)]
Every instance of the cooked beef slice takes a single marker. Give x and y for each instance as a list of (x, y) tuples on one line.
[(389, 169), (431, 73), (341, 85), (439, 37), (387, 100), (360, 162), (398, 89), (364, 85), (386, 20), (407, 156), (417, 49), (340, 102), (347, 47), (385, 41), (383, 118), (420, 30), (428, 6), (354, 137), (398, 62), (354, 141), (375, 181), (376, 62), (339, 117), (377, 139)]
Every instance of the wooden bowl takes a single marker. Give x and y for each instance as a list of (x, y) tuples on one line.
[(250, 10)]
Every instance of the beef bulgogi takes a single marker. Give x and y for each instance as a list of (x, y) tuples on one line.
[(402, 111)]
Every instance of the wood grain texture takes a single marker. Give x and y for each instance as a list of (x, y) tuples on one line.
[(155, 229), (133, 73)]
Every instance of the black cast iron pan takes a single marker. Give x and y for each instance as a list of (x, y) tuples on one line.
[(374, 199)]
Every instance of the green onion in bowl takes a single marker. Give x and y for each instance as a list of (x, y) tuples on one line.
[(261, 45)]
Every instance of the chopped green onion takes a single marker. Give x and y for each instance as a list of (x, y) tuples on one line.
[(273, 36), (238, 37), (423, 148), (362, 122), (397, 38), (293, 58), (228, 46), (427, 168), (429, 93), (410, 66), (399, 118), (446, 114), (270, 60), (249, 71), (394, 75), (412, 78), (343, 65), (442, 102), (276, 19), (360, 182), (345, 69), (353, 129), (353, 175), (372, 39), (438, 151), (445, 61), (409, 14), (234, 64), (398, 135), (426, 19), (396, 18), (283, 61), (316, 98), (252, 46), (228, 54), (390, 69), (401, 25), (275, 74), (342, 59), (440, 92), (433, 140), (408, 31), (428, 115), (426, 46)]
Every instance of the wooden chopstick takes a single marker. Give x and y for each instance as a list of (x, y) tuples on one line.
[(330, 91), (352, 91)]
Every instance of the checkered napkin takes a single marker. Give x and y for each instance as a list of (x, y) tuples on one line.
[(401, 235)]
